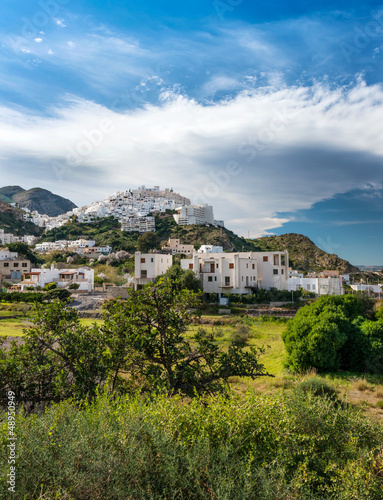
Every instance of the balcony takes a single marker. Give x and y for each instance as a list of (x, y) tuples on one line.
[(226, 285)]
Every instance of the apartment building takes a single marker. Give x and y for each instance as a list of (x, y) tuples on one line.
[(140, 224), (239, 272), (175, 246), (148, 266), (196, 214)]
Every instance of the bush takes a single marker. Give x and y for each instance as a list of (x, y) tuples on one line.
[(317, 387), (333, 333), (240, 336), (252, 447)]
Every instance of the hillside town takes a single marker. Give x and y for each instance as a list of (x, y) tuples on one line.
[(219, 272), (132, 209)]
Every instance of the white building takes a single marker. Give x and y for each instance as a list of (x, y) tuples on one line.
[(239, 272), (175, 246), (7, 255), (210, 249), (366, 288), (148, 266), (7, 238), (319, 286), (84, 277), (196, 214)]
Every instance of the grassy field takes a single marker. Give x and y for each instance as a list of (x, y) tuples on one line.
[(362, 390)]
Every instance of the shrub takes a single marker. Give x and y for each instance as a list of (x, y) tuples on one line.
[(317, 387), (252, 447), (333, 333), (240, 336)]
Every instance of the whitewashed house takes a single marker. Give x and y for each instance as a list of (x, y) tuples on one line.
[(84, 277)]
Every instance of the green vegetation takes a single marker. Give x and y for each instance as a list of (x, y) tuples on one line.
[(11, 221), (140, 346), (275, 447), (302, 251), (148, 241), (335, 333)]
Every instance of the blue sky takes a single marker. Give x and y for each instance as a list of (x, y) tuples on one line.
[(272, 112)]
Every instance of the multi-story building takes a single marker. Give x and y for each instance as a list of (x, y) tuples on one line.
[(239, 272), (148, 266), (11, 266), (196, 214), (175, 246)]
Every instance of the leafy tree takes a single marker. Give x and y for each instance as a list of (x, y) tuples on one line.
[(183, 278), (59, 359), (146, 336), (148, 241)]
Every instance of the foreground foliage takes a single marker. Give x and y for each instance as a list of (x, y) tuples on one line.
[(274, 447)]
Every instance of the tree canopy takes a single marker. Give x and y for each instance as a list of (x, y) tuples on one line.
[(335, 333)]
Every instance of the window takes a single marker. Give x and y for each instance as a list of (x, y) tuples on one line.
[(275, 271), (6, 264), (144, 274), (216, 266), (308, 287), (212, 267), (215, 278), (276, 260), (24, 264), (15, 264), (265, 259), (210, 278), (227, 280), (253, 266), (231, 266), (191, 266), (247, 266), (152, 260), (282, 271), (142, 261)]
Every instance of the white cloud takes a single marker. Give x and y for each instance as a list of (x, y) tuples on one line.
[(38, 40), (60, 22), (252, 156)]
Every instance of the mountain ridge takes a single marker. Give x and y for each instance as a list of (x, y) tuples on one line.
[(39, 199)]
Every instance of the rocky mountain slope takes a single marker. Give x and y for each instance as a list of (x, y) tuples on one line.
[(42, 200), (11, 220)]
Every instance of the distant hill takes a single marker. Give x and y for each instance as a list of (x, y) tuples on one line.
[(41, 200), (11, 220), (8, 192), (304, 254)]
